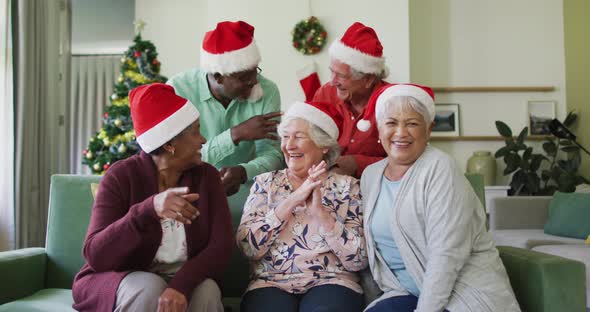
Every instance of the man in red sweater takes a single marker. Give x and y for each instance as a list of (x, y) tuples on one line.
[(358, 68)]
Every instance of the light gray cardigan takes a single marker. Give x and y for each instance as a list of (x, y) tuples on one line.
[(439, 228)]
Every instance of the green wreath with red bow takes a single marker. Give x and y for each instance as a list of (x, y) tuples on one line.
[(309, 36)]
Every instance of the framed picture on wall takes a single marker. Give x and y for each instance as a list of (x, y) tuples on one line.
[(540, 114), (446, 120)]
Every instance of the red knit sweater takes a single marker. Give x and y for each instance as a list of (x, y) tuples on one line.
[(125, 232)]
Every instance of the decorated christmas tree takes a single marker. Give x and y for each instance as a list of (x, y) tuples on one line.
[(116, 139)]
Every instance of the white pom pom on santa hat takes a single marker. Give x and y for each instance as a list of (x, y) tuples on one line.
[(363, 125)]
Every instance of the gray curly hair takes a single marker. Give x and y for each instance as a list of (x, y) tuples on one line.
[(318, 136)]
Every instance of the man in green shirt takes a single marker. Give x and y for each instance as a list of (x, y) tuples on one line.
[(238, 106)]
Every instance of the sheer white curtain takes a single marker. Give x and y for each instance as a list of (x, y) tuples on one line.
[(6, 130), (93, 78)]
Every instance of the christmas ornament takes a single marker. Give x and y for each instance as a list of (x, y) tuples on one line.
[(120, 79), (118, 122), (96, 167), (114, 96), (309, 36), (89, 155), (137, 54), (106, 115), (122, 148), (106, 166)]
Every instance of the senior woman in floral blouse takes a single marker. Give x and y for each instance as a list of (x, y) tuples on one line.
[(302, 226), (427, 242)]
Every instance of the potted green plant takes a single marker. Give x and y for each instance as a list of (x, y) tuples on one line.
[(540, 174)]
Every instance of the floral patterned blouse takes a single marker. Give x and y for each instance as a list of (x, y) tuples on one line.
[(295, 255)]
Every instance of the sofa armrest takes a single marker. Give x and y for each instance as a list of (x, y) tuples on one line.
[(23, 273), (518, 212), (543, 282)]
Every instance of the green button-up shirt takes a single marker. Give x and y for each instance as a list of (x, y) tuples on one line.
[(216, 122)]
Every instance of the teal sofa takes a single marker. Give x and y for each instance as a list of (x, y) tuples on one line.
[(39, 279)]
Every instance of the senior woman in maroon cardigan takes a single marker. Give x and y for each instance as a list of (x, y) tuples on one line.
[(160, 230)]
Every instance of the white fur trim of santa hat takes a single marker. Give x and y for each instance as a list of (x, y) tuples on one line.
[(404, 90), (358, 60), (231, 62), (306, 71), (315, 116), (168, 128)]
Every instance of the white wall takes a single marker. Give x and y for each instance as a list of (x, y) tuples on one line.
[(177, 28), (488, 43), (104, 26), (435, 42)]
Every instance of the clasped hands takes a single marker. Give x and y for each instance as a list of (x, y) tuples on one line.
[(309, 193)]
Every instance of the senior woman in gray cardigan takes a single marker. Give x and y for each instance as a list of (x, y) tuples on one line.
[(427, 242)]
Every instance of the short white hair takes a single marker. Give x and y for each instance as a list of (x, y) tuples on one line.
[(397, 103), (319, 137)]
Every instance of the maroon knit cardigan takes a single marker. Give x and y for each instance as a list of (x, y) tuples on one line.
[(125, 232)]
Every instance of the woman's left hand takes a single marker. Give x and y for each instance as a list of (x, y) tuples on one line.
[(316, 209), (172, 300)]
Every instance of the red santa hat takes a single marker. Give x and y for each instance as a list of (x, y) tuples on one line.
[(321, 114), (361, 49), (229, 48), (380, 100), (159, 114)]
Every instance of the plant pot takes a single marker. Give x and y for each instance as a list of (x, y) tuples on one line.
[(484, 163)]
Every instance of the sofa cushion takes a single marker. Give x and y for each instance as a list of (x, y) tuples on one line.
[(530, 238), (70, 203), (49, 299), (93, 189), (575, 252), (569, 215)]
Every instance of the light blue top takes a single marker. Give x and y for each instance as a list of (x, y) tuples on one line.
[(381, 223), (216, 122)]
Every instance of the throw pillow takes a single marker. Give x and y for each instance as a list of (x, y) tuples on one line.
[(94, 189), (569, 214)]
